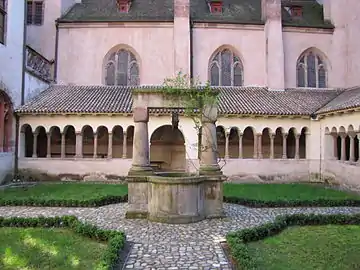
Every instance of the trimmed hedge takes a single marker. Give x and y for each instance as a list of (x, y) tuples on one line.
[(292, 203), (237, 241), (115, 239), (64, 202)]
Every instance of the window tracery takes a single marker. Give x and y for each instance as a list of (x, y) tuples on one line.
[(311, 71), (122, 69), (226, 69)]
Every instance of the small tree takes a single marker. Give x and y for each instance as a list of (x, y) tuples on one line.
[(194, 99)]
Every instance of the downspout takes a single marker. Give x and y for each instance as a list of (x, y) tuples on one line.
[(191, 52), (22, 98), (56, 51)]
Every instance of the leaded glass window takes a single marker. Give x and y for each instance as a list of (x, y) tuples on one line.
[(122, 69), (311, 71), (226, 69)]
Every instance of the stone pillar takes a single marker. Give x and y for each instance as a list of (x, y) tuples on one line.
[(343, 147), (209, 153), (110, 143), (141, 159), (352, 148), (2, 125), (95, 144), (124, 153), (259, 146), (35, 145), (358, 136), (272, 139), (275, 59), (227, 135), (79, 145), (284, 156), (240, 145), (255, 146), (297, 146), (48, 155), (22, 145), (63, 145)]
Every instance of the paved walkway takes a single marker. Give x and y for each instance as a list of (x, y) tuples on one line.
[(163, 246)]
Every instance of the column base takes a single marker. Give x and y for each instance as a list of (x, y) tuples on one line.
[(140, 170), (210, 170)]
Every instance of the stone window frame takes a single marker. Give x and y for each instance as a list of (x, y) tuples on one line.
[(35, 17), (235, 61), (3, 21), (320, 64), (132, 62)]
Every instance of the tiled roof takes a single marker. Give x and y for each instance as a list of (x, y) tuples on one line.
[(349, 99), (232, 100), (234, 11)]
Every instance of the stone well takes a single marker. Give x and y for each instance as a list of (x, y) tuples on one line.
[(176, 198)]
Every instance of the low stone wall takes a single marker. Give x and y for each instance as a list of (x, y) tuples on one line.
[(345, 174), (6, 165)]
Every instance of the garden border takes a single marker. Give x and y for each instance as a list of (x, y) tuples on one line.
[(116, 240), (237, 240)]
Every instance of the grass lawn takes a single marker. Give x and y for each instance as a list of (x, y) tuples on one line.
[(330, 247), (38, 248), (68, 191), (285, 192)]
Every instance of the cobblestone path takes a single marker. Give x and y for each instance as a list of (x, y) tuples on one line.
[(163, 246)]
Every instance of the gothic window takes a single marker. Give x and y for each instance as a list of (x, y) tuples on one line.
[(2, 21), (226, 69), (122, 69), (311, 71)]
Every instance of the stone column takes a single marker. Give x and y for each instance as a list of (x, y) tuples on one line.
[(48, 155), (95, 144), (358, 136), (2, 125), (124, 153), (272, 138), (255, 146), (297, 146), (259, 146), (63, 145), (79, 145), (35, 144), (240, 145), (227, 135), (343, 147), (22, 145), (284, 156), (209, 153), (141, 159), (352, 148), (110, 143)]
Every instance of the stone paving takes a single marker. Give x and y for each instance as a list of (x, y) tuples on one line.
[(167, 246)]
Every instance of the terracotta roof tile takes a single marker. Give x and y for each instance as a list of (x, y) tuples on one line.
[(232, 100), (346, 100)]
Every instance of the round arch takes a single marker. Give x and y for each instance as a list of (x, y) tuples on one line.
[(167, 149)]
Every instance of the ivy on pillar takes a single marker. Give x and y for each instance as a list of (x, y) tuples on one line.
[(2, 124), (124, 154), (141, 159), (48, 148), (35, 144), (284, 155), (272, 139), (79, 145), (109, 155), (95, 144)]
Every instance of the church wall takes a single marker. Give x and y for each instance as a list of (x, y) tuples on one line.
[(11, 69), (247, 41), (84, 48), (33, 86), (296, 41)]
